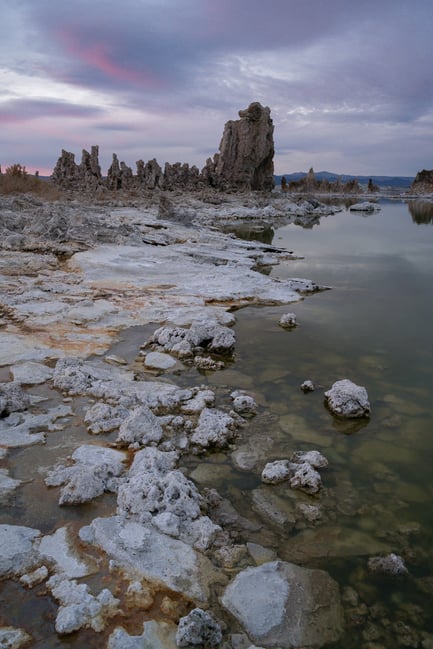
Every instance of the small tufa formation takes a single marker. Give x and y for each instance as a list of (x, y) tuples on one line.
[(244, 162), (83, 177), (310, 184), (423, 183), (348, 400)]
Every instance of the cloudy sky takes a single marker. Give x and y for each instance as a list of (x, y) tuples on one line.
[(349, 83)]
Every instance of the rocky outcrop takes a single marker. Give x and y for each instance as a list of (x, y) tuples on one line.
[(245, 162), (423, 183), (246, 153), (149, 175), (83, 177)]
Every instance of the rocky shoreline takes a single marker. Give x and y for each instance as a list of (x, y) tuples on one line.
[(135, 553)]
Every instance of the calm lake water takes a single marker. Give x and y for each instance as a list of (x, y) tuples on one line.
[(375, 328)]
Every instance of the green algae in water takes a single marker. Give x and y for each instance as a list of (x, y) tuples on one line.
[(374, 327)]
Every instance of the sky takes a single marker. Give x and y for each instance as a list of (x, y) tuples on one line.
[(349, 83)]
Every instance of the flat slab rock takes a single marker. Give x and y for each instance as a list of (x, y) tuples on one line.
[(156, 557), (283, 605), (156, 635)]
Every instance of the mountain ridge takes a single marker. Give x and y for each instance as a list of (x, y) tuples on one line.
[(382, 181)]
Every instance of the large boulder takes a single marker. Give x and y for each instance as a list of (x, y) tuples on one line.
[(346, 399), (283, 605), (423, 183), (246, 153)]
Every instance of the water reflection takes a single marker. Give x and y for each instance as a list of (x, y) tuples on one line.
[(262, 232), (421, 212)]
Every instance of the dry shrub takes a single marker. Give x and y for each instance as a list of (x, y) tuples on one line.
[(16, 180)]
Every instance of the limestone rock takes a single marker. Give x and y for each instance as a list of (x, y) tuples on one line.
[(198, 628), (207, 334), (11, 638), (159, 361), (66, 173), (277, 471), (12, 398), (156, 635), (149, 175), (90, 170), (283, 605), (246, 154), (7, 485), (392, 564), (346, 399), (300, 471), (156, 493), (423, 183), (30, 373), (79, 608), (315, 458), (18, 549), (243, 404), (288, 321), (365, 206), (103, 418), (140, 427), (153, 556), (306, 478), (215, 428), (95, 470)]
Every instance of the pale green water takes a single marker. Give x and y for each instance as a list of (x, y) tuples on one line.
[(375, 328)]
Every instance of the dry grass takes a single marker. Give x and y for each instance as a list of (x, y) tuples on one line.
[(16, 180)]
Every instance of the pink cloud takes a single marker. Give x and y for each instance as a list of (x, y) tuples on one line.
[(99, 57)]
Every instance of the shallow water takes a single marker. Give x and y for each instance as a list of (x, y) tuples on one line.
[(373, 327)]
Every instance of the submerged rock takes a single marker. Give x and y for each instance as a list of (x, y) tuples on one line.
[(7, 485), (283, 605), (346, 399), (288, 321), (390, 564)]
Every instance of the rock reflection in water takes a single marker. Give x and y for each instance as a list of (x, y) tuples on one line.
[(421, 211)]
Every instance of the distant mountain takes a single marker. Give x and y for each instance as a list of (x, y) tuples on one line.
[(402, 182)]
